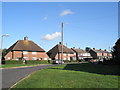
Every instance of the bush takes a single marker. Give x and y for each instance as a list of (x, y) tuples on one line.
[(73, 61), (28, 62), (66, 61)]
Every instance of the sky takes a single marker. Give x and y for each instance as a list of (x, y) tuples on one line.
[(86, 24)]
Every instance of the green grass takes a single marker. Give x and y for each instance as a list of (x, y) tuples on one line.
[(73, 76), (16, 65)]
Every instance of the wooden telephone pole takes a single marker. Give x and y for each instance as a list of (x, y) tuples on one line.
[(62, 43)]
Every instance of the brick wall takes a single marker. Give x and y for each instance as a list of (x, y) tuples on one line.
[(15, 55), (66, 56)]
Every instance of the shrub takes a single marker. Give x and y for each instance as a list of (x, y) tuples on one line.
[(28, 62)]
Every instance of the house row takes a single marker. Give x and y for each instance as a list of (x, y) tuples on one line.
[(99, 53), (27, 49)]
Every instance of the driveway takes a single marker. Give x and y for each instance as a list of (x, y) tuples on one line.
[(13, 75)]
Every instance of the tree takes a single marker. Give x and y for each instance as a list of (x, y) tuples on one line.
[(116, 51), (87, 49), (4, 52)]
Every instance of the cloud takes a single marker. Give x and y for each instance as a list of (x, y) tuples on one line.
[(45, 18), (51, 37), (66, 12)]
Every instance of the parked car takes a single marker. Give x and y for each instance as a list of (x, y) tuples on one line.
[(58, 61)]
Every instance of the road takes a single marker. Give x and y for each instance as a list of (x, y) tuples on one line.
[(13, 75)]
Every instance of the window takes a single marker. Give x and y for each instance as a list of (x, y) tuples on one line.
[(50, 59), (45, 58), (64, 54), (34, 58), (68, 58), (34, 52), (8, 58), (64, 58), (40, 58), (25, 52), (74, 53), (26, 58)]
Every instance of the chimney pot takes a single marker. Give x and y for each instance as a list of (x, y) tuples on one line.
[(26, 38), (94, 48), (59, 42)]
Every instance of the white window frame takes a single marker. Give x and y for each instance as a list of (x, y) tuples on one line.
[(25, 52), (64, 58), (8, 58), (34, 58), (26, 58), (64, 54), (45, 58), (74, 53), (34, 52)]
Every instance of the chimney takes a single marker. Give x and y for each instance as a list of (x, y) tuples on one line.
[(93, 48), (59, 42), (100, 49), (105, 50), (26, 38)]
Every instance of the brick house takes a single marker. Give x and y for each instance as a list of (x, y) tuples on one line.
[(80, 53), (106, 54), (26, 49), (99, 53), (55, 52)]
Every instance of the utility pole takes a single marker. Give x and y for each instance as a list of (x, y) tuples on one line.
[(66, 44), (62, 43)]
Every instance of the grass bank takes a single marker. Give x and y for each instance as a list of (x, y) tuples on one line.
[(84, 75)]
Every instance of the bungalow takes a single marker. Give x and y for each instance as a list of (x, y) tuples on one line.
[(80, 53), (55, 52), (25, 49)]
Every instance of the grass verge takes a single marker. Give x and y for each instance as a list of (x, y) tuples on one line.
[(84, 75), (17, 65)]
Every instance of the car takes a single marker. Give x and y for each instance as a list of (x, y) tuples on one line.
[(57, 61)]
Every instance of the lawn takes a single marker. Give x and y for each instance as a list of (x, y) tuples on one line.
[(84, 75)]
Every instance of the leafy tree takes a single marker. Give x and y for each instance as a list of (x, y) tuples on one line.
[(116, 51), (4, 52)]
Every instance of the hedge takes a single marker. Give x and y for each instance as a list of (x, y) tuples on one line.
[(28, 62), (36, 62)]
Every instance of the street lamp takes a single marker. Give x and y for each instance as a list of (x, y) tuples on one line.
[(1, 45)]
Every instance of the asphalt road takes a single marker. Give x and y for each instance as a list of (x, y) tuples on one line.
[(13, 75)]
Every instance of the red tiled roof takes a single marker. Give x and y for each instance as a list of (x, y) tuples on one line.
[(25, 45), (78, 50), (58, 49)]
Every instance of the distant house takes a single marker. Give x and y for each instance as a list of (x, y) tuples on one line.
[(55, 52), (99, 53), (80, 53), (25, 49), (106, 54)]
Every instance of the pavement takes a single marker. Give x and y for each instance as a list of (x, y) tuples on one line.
[(13, 75)]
